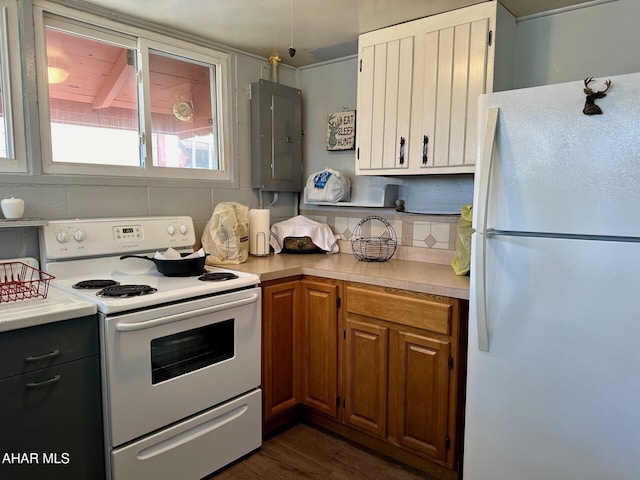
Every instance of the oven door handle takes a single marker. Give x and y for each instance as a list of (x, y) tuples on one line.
[(132, 327)]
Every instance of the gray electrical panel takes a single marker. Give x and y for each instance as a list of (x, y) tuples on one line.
[(276, 137)]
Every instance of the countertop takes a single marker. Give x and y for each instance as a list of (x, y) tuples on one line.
[(56, 307), (422, 277)]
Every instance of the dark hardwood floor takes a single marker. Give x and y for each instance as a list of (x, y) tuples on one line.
[(304, 452)]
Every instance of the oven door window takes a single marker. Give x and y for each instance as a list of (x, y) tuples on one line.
[(184, 352)]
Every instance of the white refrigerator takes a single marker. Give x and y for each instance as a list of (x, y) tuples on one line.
[(553, 388)]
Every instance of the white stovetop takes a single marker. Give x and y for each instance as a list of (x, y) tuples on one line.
[(135, 271)]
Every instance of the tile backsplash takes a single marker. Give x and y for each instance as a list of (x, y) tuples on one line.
[(425, 238)]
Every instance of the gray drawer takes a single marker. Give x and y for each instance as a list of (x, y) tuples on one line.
[(29, 349)]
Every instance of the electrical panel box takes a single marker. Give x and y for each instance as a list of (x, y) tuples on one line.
[(276, 137)]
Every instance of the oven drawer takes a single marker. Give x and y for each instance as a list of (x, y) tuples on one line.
[(33, 348), (196, 447)]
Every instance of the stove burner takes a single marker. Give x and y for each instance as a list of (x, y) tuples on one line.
[(125, 291), (217, 276), (87, 284)]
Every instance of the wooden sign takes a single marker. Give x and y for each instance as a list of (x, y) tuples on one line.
[(341, 131)]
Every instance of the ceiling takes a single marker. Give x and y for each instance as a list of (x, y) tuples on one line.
[(322, 30)]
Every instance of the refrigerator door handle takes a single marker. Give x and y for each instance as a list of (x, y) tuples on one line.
[(486, 160), (480, 282)]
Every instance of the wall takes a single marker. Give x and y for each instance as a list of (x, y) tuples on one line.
[(571, 44)]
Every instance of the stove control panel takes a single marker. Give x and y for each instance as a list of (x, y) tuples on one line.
[(114, 236)]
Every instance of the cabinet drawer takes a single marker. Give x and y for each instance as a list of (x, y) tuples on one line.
[(29, 349), (422, 311), (55, 415)]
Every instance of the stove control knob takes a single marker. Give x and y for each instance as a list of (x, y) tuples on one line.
[(171, 230), (79, 235), (62, 236), (183, 229)]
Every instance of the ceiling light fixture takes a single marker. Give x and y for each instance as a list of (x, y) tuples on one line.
[(56, 75), (292, 51)]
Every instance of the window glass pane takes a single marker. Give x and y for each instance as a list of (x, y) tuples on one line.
[(93, 100), (183, 115)]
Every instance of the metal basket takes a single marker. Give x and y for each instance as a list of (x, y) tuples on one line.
[(19, 281), (368, 248)]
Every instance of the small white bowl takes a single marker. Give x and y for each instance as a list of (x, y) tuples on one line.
[(12, 208)]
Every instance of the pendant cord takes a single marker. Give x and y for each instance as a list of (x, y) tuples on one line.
[(291, 23)]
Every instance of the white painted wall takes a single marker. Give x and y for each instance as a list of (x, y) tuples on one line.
[(326, 88), (595, 41)]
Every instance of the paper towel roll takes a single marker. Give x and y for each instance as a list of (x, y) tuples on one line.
[(259, 231)]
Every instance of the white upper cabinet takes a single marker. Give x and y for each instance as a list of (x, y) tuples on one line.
[(418, 86)]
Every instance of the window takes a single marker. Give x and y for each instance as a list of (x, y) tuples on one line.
[(12, 140), (122, 104)]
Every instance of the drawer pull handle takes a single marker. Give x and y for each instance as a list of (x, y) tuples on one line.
[(39, 358), (44, 383)]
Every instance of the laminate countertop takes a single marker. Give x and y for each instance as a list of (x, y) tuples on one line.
[(432, 278)]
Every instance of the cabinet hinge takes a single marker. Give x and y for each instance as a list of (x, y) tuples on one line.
[(447, 442), (338, 402), (450, 363), (344, 403), (338, 303), (344, 334), (360, 64), (490, 37)]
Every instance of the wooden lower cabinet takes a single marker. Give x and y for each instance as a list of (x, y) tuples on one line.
[(320, 324), (419, 393), (365, 385), (281, 338), (404, 370), (381, 366)]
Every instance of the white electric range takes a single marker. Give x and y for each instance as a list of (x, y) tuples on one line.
[(180, 355)]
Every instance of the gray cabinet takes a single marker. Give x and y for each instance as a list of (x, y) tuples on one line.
[(50, 402), (276, 137)]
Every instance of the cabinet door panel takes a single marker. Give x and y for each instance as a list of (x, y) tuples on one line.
[(280, 347), (478, 60), (379, 103), (390, 114), (56, 413), (366, 374), (364, 124), (419, 392), (320, 333), (423, 113), (384, 104), (459, 99), (443, 97)]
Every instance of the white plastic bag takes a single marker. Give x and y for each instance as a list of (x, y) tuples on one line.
[(226, 235), (328, 186)]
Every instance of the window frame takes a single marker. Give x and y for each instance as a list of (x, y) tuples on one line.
[(12, 95), (140, 40)]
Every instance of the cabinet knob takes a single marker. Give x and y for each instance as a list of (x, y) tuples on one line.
[(425, 144), (401, 159)]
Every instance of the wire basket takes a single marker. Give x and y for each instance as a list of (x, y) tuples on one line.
[(19, 281), (373, 249)]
